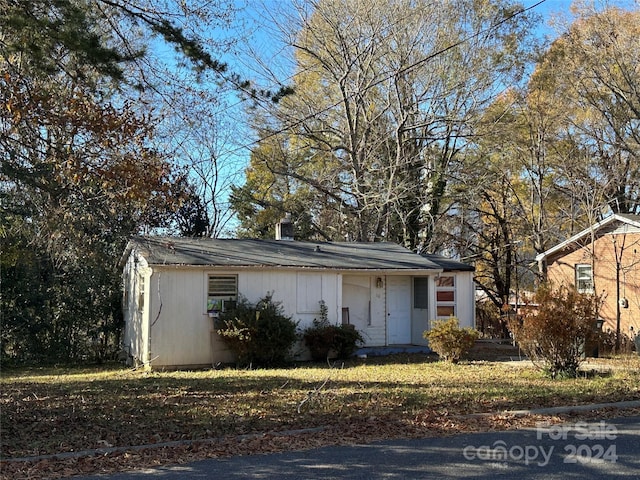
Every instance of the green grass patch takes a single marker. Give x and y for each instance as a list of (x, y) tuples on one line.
[(56, 410)]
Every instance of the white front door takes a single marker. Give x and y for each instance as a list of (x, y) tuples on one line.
[(398, 310)]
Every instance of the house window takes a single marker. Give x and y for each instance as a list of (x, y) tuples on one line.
[(421, 292), (222, 293), (445, 296), (584, 278)]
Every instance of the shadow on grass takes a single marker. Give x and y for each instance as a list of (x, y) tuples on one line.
[(56, 410)]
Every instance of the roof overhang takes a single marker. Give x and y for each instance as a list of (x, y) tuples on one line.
[(586, 232), (353, 271), (232, 254)]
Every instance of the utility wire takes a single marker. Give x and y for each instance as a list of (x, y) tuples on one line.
[(406, 69)]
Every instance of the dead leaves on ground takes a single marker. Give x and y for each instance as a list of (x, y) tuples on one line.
[(359, 431)]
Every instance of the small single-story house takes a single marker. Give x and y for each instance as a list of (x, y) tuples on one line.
[(173, 286), (603, 259)]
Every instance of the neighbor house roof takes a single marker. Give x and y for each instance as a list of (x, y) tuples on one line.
[(284, 253), (605, 225)]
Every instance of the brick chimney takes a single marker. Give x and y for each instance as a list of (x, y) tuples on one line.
[(284, 228)]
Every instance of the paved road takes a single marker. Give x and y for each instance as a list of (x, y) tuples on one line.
[(590, 450)]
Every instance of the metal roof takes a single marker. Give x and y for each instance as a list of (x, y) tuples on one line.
[(284, 253)]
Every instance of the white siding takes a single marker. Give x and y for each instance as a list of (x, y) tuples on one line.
[(181, 332), (366, 303), (308, 292), (294, 290), (174, 329), (465, 299), (136, 331)]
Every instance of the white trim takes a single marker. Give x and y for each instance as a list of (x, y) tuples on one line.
[(448, 288), (585, 232), (205, 292), (343, 271), (578, 268)]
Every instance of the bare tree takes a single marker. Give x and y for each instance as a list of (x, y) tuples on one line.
[(386, 94)]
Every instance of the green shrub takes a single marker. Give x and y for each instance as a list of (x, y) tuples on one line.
[(324, 338), (258, 334), (554, 328), (448, 340), (346, 341)]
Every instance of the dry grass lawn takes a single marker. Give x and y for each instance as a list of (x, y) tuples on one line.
[(49, 411)]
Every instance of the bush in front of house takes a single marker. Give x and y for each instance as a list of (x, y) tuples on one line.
[(346, 341), (259, 334), (448, 340), (554, 328), (323, 338), (607, 343)]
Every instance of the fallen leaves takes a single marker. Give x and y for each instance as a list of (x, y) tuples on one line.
[(363, 431), (184, 416)]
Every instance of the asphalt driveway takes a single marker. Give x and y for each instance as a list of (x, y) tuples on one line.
[(584, 450)]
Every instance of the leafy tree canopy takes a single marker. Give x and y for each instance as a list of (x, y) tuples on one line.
[(79, 172)]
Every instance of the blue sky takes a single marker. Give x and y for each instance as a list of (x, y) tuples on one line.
[(258, 15)]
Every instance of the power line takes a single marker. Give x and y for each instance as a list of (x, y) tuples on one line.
[(406, 69), (251, 95)]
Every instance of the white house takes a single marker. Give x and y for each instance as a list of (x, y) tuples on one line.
[(172, 286)]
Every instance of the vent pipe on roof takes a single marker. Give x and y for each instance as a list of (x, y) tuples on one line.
[(284, 228)]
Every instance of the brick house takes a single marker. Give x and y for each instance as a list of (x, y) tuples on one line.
[(603, 259)]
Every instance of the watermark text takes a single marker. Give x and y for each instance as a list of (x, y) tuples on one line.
[(579, 449)]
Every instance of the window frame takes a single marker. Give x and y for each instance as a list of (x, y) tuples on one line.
[(450, 305), (421, 293), (580, 277), (214, 309)]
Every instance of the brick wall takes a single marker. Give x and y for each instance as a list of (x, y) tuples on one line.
[(602, 256)]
